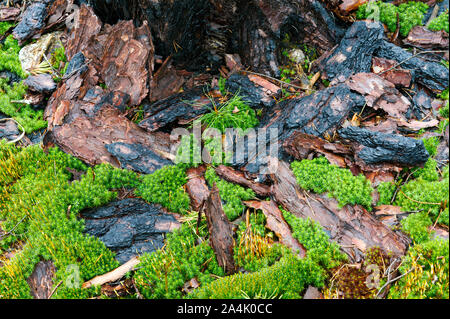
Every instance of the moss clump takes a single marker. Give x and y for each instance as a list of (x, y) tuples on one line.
[(439, 23), (230, 193), (320, 176), (285, 279), (410, 14), (312, 236), (38, 200), (428, 196), (30, 119), (162, 274), (386, 191), (427, 272), (254, 247), (165, 187)]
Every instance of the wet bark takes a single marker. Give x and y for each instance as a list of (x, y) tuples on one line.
[(352, 227), (220, 230)]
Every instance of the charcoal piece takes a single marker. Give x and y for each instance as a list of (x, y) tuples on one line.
[(254, 95), (8, 129), (322, 111), (433, 75), (377, 147), (182, 107), (354, 52), (129, 227), (32, 21), (42, 83), (76, 65), (421, 104), (10, 76), (137, 157)]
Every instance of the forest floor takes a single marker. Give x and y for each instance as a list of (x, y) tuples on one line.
[(224, 149)]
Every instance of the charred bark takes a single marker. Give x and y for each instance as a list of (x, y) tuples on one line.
[(199, 32)]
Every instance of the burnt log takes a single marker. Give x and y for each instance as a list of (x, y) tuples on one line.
[(129, 227), (220, 231), (377, 147), (433, 75), (197, 33), (354, 53), (352, 227)]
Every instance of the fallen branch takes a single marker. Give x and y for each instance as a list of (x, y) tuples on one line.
[(113, 275)]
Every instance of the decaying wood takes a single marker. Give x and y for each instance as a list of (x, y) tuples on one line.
[(113, 275), (196, 187), (88, 121), (254, 29), (380, 94), (421, 37), (352, 227), (276, 223), (220, 231), (9, 13), (231, 175), (397, 76), (41, 280)]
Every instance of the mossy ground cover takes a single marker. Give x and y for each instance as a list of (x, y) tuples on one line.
[(409, 14), (30, 119)]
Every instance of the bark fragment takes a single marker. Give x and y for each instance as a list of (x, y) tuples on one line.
[(421, 37), (351, 227), (387, 70), (238, 177), (196, 187), (41, 280), (380, 94), (220, 230), (277, 224)]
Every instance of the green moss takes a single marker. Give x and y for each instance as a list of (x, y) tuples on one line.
[(165, 187), (286, 279), (410, 14), (38, 200), (386, 191), (58, 59), (440, 22), (416, 226), (422, 194), (4, 26), (425, 269), (230, 193), (30, 119), (320, 176), (162, 274), (312, 236)]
